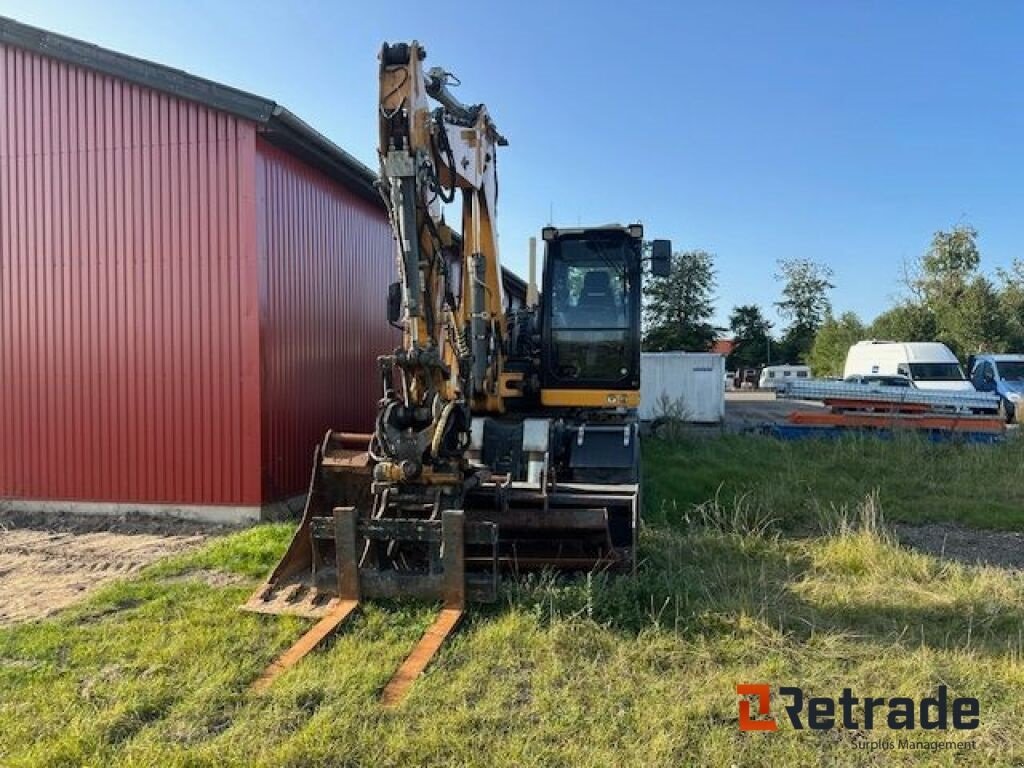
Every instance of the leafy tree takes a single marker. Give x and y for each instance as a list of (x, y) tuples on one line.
[(678, 308), (945, 271), (908, 321), (1011, 304), (953, 303), (805, 303), (751, 332), (834, 339), (975, 323)]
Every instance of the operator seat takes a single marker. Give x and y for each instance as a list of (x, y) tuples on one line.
[(597, 304)]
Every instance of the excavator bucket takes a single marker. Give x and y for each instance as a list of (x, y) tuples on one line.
[(340, 478), (510, 527), (341, 549)]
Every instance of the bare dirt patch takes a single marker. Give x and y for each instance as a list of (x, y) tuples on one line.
[(972, 546), (50, 561)]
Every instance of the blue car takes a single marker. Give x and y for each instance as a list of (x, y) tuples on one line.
[(1003, 375)]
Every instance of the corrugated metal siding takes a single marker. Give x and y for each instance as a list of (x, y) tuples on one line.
[(129, 360), (326, 258), (693, 382)]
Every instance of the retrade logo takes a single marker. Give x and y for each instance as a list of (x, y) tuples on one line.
[(822, 713)]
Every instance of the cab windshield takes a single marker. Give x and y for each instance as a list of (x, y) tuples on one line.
[(1011, 370), (592, 298), (936, 372)]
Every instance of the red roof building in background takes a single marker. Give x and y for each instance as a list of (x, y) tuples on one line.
[(723, 347)]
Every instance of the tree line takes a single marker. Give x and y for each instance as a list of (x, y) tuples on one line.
[(946, 297), (678, 311)]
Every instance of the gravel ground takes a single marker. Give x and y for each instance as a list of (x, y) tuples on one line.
[(747, 408), (1004, 549)]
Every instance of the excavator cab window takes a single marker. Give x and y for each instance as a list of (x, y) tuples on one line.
[(593, 321), (590, 294)]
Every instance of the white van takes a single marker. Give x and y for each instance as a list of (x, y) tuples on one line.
[(929, 364), (773, 375)]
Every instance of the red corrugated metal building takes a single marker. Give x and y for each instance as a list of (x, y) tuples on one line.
[(191, 283)]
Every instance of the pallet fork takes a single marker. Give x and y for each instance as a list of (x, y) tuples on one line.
[(353, 538)]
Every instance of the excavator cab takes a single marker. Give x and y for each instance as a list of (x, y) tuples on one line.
[(590, 313), (591, 310)]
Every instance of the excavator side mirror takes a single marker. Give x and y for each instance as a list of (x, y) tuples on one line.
[(394, 303), (661, 258)]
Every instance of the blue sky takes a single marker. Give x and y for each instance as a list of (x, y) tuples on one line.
[(845, 132)]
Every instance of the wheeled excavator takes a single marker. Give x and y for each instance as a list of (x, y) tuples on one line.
[(505, 440)]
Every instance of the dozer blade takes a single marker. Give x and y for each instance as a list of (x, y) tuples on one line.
[(570, 527)]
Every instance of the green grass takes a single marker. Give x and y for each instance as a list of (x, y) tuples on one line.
[(594, 671), (796, 482)]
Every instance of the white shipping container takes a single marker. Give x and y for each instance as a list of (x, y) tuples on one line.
[(694, 380)]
